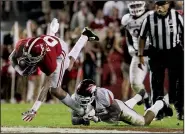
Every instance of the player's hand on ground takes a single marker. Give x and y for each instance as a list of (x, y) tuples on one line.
[(89, 115), (141, 62), (29, 115)]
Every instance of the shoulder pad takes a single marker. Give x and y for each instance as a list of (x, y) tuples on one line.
[(125, 18)]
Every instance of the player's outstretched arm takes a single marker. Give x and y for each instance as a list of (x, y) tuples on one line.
[(30, 114)]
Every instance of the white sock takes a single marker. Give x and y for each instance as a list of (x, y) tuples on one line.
[(156, 107), (166, 98), (146, 95), (133, 101), (31, 87), (68, 101), (78, 46)]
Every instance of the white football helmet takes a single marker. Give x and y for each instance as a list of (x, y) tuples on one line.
[(136, 8), (85, 92)]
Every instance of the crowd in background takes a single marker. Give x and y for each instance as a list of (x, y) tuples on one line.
[(106, 62)]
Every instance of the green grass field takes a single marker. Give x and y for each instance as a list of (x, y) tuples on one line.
[(58, 116)]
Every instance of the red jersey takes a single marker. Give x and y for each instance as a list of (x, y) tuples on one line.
[(53, 49)]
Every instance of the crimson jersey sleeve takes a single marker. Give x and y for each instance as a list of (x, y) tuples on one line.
[(54, 49)]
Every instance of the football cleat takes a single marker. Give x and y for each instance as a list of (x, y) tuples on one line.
[(91, 36), (142, 93), (144, 100), (159, 116), (166, 108), (180, 115)]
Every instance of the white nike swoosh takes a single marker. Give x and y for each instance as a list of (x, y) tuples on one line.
[(93, 38)]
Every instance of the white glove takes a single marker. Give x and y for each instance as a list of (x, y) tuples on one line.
[(89, 116), (54, 26), (29, 115)]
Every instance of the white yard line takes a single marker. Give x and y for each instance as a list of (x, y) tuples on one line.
[(60, 130)]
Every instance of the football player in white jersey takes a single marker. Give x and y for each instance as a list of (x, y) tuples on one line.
[(132, 22), (107, 109)]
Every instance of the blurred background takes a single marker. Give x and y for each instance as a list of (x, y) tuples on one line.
[(106, 62)]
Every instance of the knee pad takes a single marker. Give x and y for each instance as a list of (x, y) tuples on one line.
[(137, 87)]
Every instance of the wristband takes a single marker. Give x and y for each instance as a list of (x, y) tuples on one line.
[(140, 55), (36, 105)]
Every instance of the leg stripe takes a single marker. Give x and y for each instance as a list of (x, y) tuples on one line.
[(63, 54), (61, 72)]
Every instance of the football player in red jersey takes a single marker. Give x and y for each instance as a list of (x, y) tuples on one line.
[(50, 54)]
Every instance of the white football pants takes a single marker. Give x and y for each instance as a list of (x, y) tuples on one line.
[(129, 115)]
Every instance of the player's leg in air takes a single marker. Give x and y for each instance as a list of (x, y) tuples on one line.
[(130, 116)]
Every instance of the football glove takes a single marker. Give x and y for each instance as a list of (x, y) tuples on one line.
[(29, 115)]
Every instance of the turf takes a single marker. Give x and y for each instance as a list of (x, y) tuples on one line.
[(58, 115)]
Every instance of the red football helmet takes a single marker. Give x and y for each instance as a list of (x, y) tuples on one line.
[(85, 92), (32, 52)]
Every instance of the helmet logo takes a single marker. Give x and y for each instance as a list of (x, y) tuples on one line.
[(91, 88)]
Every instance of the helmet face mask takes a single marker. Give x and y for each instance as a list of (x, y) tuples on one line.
[(34, 59), (84, 101), (136, 8), (26, 66), (85, 92), (29, 58)]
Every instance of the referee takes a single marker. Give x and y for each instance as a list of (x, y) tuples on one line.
[(165, 29)]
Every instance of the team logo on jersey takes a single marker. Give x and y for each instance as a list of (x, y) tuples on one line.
[(42, 48), (136, 32)]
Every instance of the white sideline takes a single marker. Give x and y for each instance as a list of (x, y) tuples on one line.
[(60, 130)]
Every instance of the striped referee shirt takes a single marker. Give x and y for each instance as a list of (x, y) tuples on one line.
[(164, 32)]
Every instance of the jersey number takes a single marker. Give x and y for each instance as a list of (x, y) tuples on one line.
[(50, 41), (136, 33)]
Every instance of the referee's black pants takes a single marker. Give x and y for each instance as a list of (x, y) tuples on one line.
[(176, 78), (172, 59)]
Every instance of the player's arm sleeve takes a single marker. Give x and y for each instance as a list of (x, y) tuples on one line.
[(129, 40), (181, 28), (144, 29), (106, 97)]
